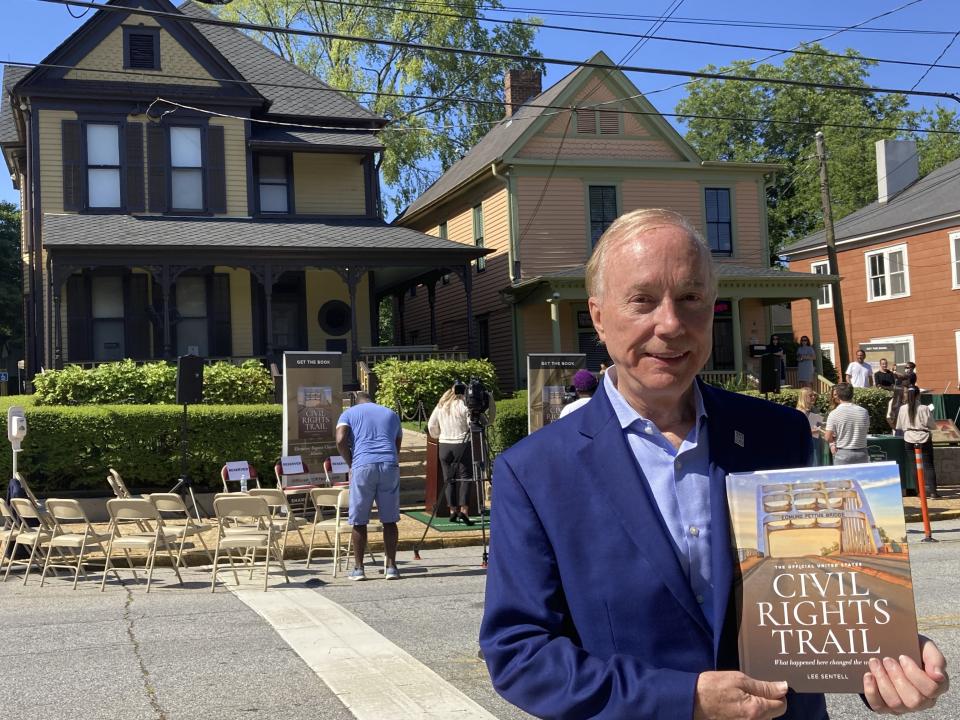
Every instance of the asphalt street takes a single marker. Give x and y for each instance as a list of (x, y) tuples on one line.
[(186, 653)]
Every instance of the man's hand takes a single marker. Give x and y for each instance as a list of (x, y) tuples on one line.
[(734, 696), (897, 687)]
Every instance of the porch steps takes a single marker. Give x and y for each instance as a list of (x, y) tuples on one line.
[(413, 469)]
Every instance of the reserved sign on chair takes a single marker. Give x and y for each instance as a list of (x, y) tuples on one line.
[(291, 464), (238, 470)]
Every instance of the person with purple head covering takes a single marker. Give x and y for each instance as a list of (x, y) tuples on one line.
[(585, 384)]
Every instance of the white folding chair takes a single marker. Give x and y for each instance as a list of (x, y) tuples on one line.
[(257, 533), (281, 514), (76, 541), (127, 513), (117, 484), (8, 529), (172, 504), (33, 535), (338, 500)]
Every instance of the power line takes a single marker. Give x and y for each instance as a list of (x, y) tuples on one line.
[(478, 101), (653, 35), (491, 54), (942, 53)]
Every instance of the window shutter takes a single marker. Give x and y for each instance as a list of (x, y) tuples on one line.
[(136, 317), (79, 320), (218, 316), (73, 164), (587, 122), (215, 162), (158, 159), (133, 139)]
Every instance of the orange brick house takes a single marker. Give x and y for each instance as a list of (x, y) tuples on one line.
[(899, 267), (541, 187)]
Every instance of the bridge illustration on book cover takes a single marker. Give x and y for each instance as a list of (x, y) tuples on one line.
[(824, 573)]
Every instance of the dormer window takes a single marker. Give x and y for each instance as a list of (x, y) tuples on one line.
[(141, 48)]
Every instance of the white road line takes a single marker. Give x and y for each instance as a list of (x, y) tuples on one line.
[(371, 676)]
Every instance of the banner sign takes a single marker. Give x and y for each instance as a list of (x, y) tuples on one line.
[(548, 378), (875, 351), (312, 403)]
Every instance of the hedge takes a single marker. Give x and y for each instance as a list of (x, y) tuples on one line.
[(402, 384), (874, 400), (126, 383), (510, 423), (70, 448)]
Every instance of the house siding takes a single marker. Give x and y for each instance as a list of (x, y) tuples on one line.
[(554, 229), (931, 313), (328, 184), (235, 157), (175, 60), (241, 319), (50, 143)]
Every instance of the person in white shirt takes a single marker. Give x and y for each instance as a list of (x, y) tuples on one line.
[(916, 421), (585, 384), (860, 373)]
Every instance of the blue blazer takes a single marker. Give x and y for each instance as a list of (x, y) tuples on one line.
[(588, 611)]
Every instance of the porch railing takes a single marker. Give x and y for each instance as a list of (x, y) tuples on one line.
[(371, 355)]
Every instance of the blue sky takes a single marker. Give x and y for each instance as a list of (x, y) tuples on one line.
[(32, 28)]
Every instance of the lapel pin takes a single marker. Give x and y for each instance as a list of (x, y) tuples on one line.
[(738, 438)]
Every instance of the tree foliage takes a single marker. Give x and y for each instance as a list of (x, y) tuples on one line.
[(794, 198), (11, 278), (415, 153)]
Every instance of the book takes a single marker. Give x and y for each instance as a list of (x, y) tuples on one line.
[(823, 578)]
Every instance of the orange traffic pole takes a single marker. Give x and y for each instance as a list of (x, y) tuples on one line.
[(922, 490)]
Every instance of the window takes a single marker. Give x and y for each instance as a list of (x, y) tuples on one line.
[(826, 349), (826, 291), (103, 165), (722, 357), (719, 225), (887, 276), (273, 180), (955, 258), (603, 210), (141, 48), (191, 299), (186, 168), (902, 347), (106, 299), (478, 235)]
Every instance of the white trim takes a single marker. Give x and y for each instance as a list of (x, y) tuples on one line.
[(954, 260), (956, 336), (899, 340), (886, 252), (829, 288)]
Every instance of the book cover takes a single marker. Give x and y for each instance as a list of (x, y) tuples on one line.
[(315, 412), (824, 574)]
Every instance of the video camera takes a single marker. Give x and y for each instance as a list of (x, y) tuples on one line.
[(474, 394)]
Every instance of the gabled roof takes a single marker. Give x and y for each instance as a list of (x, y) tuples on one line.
[(8, 126), (258, 64), (934, 196), (510, 131)]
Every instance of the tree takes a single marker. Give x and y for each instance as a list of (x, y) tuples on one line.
[(425, 136), (794, 199), (11, 276), (937, 149)]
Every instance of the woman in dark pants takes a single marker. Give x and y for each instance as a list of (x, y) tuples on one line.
[(916, 421), (450, 424)]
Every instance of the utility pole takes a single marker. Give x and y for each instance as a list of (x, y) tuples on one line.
[(832, 258)]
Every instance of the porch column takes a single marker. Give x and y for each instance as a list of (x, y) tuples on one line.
[(468, 289), (815, 334), (268, 307), (57, 330), (165, 283), (554, 303), (737, 336), (353, 279), (399, 328), (432, 300)]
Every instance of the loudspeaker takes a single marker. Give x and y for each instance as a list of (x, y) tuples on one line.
[(769, 373), (189, 380)]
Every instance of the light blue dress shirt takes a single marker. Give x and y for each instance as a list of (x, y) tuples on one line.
[(679, 479)]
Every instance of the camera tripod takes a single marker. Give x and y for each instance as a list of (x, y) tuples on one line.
[(479, 471), (185, 482)]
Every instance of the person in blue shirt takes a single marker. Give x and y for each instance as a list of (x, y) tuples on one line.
[(368, 439)]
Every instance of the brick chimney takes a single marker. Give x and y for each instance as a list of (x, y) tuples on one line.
[(519, 87), (897, 167)]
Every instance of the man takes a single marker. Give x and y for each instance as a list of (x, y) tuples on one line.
[(368, 439), (847, 427), (610, 578), (860, 373), (884, 377), (585, 385), (909, 375)]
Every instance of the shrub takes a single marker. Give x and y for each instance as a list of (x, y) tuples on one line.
[(510, 424), (70, 448), (874, 400), (829, 369), (402, 384), (126, 383)]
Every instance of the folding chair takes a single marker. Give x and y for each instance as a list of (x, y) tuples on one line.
[(334, 478), (63, 512), (172, 504), (298, 487), (8, 529), (231, 508), (337, 499), (281, 515), (126, 513), (117, 484), (32, 536), (225, 477)]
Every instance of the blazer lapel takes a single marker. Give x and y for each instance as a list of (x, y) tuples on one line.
[(609, 460)]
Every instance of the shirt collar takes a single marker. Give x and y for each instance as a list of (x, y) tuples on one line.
[(627, 416)]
